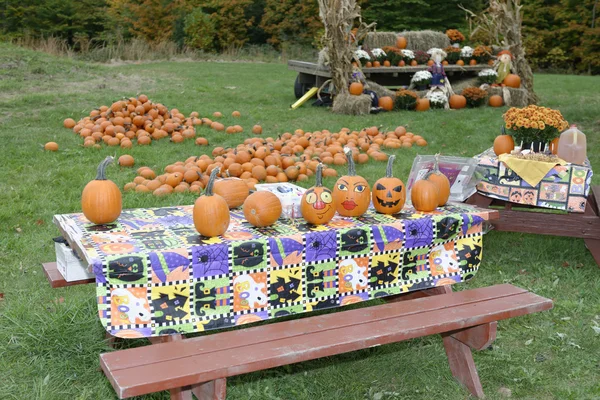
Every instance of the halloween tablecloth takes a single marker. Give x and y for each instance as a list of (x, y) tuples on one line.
[(156, 275), (565, 187)]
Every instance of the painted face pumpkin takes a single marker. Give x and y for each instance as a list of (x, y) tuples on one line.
[(316, 205), (351, 194), (389, 193)]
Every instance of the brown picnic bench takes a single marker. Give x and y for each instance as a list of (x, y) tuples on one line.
[(200, 366), (523, 218)]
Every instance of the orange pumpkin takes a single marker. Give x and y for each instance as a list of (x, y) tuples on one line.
[(503, 144), (473, 62), (422, 105), (457, 101), (401, 42), (424, 196), (351, 194), (554, 146), (389, 194), (441, 181), (460, 62), (386, 103), (356, 88), (126, 160), (233, 190), (316, 205), (496, 101), (211, 212), (101, 198), (51, 146), (512, 80), (262, 209)]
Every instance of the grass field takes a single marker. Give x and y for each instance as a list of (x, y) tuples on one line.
[(50, 339)]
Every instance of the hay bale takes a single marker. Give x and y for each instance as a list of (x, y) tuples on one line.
[(425, 40), (512, 97), (460, 85), (352, 105), (378, 40), (381, 91)]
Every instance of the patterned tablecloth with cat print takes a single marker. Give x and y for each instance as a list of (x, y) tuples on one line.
[(156, 275)]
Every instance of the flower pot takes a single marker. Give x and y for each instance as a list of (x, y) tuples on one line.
[(536, 146)]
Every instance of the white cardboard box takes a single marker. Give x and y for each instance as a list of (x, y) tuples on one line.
[(69, 265)]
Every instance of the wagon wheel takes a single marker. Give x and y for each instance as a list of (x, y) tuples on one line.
[(300, 89)]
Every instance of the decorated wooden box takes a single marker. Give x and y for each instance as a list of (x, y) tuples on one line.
[(564, 187)]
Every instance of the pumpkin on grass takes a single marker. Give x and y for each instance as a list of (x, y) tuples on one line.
[(262, 209), (351, 194), (51, 146), (424, 196), (316, 205), (211, 212), (389, 194), (101, 198), (441, 181), (233, 190)]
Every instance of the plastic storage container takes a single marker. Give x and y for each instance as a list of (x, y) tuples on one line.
[(572, 146)]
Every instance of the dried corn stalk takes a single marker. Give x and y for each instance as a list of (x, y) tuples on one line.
[(339, 16), (501, 23)]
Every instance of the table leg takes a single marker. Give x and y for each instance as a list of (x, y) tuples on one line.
[(419, 294), (462, 365), (593, 246), (213, 390), (181, 393)]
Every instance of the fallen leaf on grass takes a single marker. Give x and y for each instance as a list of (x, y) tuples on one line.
[(561, 335), (565, 264), (39, 222), (19, 230), (574, 345), (231, 87), (565, 319), (505, 392), (1, 296), (528, 342), (596, 329)]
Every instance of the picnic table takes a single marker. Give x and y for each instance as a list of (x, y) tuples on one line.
[(157, 278)]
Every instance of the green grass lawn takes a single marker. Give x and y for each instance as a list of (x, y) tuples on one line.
[(50, 339)]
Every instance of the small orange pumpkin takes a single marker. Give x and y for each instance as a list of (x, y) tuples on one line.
[(389, 194), (351, 194), (51, 146), (316, 205), (211, 212), (457, 101), (401, 42), (386, 103), (424, 196), (262, 209), (356, 88), (512, 80), (460, 62), (101, 198), (233, 190), (496, 101), (503, 144), (441, 181), (554, 146), (422, 105), (126, 161)]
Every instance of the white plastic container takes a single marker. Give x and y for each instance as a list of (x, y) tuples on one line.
[(69, 265), (572, 146), (289, 195)]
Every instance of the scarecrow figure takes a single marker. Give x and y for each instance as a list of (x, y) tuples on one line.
[(437, 69), (504, 65)]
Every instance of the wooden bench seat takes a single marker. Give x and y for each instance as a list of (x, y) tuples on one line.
[(200, 365)]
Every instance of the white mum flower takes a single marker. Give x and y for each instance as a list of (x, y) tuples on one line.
[(422, 76), (488, 72), (408, 53), (433, 50), (378, 52), (438, 98), (466, 51), (362, 54)]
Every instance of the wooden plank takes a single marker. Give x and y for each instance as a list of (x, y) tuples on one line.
[(594, 199), (68, 232), (315, 69), (298, 328), (478, 337), (57, 280), (197, 368), (462, 365), (569, 225)]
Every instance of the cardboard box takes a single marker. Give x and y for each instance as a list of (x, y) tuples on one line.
[(289, 195), (69, 265)]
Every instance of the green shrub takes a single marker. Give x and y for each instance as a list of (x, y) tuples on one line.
[(199, 30)]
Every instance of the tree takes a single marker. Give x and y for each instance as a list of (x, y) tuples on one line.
[(291, 21)]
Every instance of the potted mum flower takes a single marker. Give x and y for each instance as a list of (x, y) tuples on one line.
[(534, 125), (421, 57), (466, 53), (452, 54), (438, 99), (407, 56), (421, 79), (482, 54), (362, 56), (488, 76), (475, 96), (379, 55), (406, 99), (455, 37)]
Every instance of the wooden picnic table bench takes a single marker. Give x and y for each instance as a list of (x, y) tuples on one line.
[(200, 366)]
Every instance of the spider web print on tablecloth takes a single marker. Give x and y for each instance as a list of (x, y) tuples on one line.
[(190, 282)]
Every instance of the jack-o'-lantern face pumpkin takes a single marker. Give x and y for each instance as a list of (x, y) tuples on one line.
[(389, 193), (317, 202), (351, 194)]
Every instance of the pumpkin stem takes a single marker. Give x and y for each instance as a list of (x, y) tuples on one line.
[(101, 175), (211, 181), (388, 171), (319, 175), (436, 163), (351, 165)]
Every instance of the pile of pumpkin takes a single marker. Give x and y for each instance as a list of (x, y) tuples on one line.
[(290, 157), (101, 200), (141, 120)]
